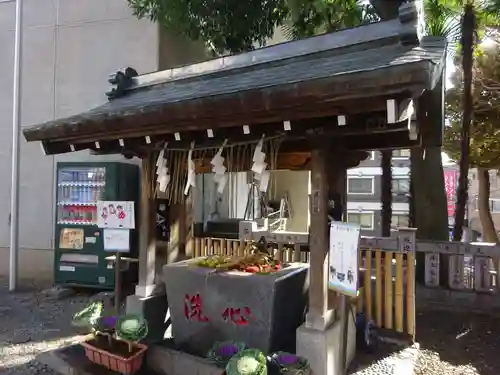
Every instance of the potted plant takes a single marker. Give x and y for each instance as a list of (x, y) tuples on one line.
[(290, 364), (247, 362), (114, 343), (222, 352)]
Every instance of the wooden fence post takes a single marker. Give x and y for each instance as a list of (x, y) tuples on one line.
[(406, 244)]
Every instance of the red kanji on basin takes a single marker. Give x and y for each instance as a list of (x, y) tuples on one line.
[(122, 365)]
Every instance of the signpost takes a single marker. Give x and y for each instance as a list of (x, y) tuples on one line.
[(343, 270), (116, 219), (343, 258)]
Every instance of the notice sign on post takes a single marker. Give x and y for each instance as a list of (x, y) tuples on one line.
[(116, 240), (115, 214), (343, 258)]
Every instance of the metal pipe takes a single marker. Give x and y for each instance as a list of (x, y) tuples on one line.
[(16, 117)]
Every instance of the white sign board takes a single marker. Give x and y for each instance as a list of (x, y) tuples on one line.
[(115, 214), (116, 240), (343, 258)]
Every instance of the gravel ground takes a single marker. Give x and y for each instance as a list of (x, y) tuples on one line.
[(30, 324), (451, 343), (454, 343)]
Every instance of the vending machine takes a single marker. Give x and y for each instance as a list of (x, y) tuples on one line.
[(80, 259)]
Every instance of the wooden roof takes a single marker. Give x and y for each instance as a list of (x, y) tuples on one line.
[(311, 78)]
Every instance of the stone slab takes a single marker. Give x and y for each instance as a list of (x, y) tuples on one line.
[(71, 360), (168, 361), (58, 293), (263, 311)]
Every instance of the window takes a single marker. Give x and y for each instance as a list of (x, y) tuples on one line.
[(360, 185), (400, 186), (493, 179), (363, 219), (495, 206), (400, 220), (400, 154), (475, 204)]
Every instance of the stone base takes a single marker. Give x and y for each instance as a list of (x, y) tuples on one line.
[(167, 361), (154, 309), (322, 348)]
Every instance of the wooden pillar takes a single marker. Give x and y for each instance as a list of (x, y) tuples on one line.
[(148, 278), (319, 316), (328, 179)]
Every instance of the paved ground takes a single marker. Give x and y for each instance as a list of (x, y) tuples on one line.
[(450, 343)]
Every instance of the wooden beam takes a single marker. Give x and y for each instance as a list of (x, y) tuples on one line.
[(355, 125)]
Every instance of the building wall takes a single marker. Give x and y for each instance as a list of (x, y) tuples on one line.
[(296, 185), (232, 203), (69, 49), (369, 205)]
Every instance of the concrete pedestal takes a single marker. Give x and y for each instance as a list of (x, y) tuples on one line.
[(322, 348), (154, 309)]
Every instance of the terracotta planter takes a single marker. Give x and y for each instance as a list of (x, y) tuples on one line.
[(126, 365)]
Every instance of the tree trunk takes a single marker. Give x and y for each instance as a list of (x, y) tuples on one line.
[(467, 42), (431, 210), (489, 232), (386, 192)]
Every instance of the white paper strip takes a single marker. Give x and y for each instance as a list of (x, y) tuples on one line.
[(164, 181), (160, 157), (258, 168), (222, 184), (264, 181), (191, 178)]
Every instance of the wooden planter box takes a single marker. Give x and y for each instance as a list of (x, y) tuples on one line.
[(115, 358), (262, 311)]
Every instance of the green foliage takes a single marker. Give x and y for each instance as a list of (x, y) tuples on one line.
[(311, 17), (89, 317), (247, 362), (236, 26), (221, 352), (229, 25), (131, 328), (290, 363), (485, 132)]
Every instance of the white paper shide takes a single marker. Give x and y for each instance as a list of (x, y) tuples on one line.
[(162, 173), (259, 166), (219, 170), (343, 258)]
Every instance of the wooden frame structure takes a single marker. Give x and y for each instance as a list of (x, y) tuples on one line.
[(329, 98)]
